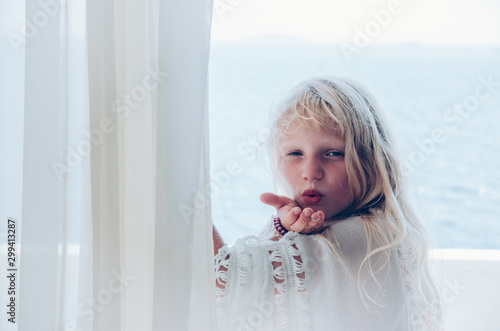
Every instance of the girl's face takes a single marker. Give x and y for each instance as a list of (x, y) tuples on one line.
[(313, 170)]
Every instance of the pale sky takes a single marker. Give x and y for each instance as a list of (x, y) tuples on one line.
[(423, 21)]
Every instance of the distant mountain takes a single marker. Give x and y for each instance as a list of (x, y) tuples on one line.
[(269, 41)]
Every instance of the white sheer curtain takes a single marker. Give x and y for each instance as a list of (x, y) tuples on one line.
[(105, 129)]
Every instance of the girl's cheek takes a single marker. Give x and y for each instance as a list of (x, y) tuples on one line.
[(290, 175), (287, 180), (284, 169)]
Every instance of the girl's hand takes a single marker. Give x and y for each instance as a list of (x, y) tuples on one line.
[(293, 218)]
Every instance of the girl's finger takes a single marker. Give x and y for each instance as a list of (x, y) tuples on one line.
[(317, 220), (291, 217), (276, 201), (315, 223), (303, 220), (318, 216)]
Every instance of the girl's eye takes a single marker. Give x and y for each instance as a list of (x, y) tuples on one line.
[(334, 153), (294, 154)]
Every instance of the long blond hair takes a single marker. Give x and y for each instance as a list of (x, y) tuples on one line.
[(375, 177)]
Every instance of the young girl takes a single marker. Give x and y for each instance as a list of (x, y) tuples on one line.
[(346, 250)]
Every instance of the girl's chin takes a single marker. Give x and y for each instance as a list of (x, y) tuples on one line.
[(329, 214)]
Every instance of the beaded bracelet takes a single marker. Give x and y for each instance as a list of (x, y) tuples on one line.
[(279, 229)]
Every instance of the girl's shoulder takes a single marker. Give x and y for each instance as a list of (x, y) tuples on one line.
[(347, 229)]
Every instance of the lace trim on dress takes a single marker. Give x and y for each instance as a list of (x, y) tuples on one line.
[(240, 268), (290, 283), (233, 278)]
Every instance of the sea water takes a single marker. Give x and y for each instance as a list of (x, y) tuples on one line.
[(446, 125)]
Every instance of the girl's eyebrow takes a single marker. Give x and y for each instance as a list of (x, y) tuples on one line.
[(326, 146), (326, 142)]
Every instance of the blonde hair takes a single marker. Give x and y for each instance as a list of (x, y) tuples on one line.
[(375, 178)]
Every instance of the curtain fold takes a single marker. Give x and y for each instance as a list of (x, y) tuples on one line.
[(182, 136), (42, 201), (115, 152)]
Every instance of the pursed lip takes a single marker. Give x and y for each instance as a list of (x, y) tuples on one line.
[(312, 197), (311, 192)]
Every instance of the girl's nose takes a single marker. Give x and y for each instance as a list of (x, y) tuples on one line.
[(312, 170)]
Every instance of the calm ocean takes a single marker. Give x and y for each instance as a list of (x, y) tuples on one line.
[(423, 89)]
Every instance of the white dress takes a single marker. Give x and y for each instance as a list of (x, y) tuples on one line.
[(299, 283)]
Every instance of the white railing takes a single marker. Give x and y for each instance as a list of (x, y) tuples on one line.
[(470, 280)]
